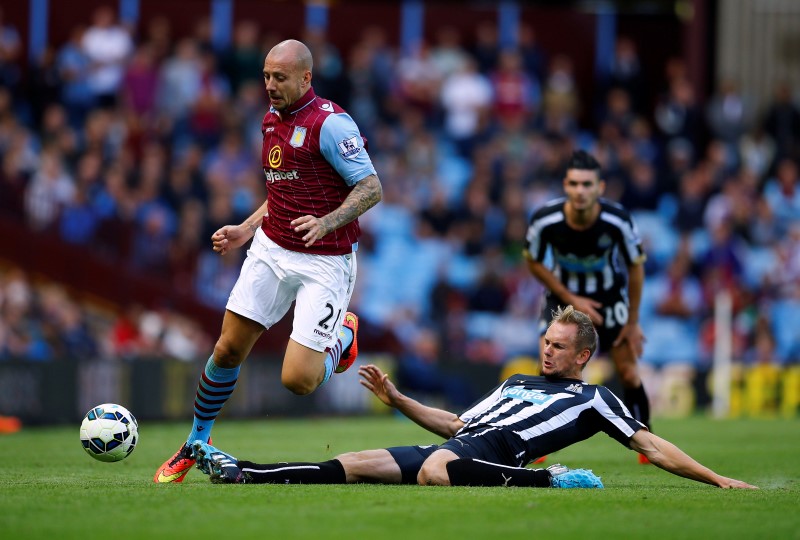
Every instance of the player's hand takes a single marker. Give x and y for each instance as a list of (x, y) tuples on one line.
[(230, 237), (313, 227), (377, 382), (732, 483), (632, 335), (589, 307)]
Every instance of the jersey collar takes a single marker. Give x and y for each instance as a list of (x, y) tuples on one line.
[(303, 102)]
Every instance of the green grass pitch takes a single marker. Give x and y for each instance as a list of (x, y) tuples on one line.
[(49, 488)]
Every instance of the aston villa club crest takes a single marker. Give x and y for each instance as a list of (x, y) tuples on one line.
[(298, 137)]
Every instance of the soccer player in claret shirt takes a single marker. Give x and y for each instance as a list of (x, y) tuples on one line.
[(319, 180), (597, 266)]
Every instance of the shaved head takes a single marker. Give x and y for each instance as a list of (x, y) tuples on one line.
[(293, 52)]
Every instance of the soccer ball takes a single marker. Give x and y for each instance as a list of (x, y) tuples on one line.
[(109, 432)]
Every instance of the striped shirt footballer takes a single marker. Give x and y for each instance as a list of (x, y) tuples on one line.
[(537, 415)]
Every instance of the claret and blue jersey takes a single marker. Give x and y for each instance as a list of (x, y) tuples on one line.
[(313, 155)]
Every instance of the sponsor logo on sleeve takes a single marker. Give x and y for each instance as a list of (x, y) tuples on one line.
[(349, 148)]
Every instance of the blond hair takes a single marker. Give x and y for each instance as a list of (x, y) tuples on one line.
[(586, 336)]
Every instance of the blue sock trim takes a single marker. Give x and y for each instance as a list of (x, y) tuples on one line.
[(328, 369), (220, 374)]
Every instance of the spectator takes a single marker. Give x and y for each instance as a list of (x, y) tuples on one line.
[(107, 46), (419, 80), (10, 49), (641, 191), (140, 86), (447, 54), (44, 84), (560, 100), (206, 112), (466, 100), (678, 116), (516, 94), (729, 114), (486, 48), (782, 122), (50, 190), (80, 219), (244, 59), (782, 194), (74, 66), (625, 73), (179, 86), (757, 151), (534, 57)]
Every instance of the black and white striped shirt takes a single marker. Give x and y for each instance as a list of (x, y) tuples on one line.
[(587, 262), (539, 415)]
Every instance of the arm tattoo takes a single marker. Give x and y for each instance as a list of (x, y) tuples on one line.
[(366, 194)]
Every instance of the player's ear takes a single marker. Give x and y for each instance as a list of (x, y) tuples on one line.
[(601, 186)]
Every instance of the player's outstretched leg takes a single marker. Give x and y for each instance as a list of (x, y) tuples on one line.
[(564, 477), (222, 467)]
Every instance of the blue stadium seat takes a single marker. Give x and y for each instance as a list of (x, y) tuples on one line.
[(785, 320), (660, 240)]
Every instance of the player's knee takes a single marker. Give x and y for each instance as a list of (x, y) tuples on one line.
[(299, 384), (629, 376), (226, 355), (433, 475)]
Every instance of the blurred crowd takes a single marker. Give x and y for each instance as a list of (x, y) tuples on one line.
[(142, 145)]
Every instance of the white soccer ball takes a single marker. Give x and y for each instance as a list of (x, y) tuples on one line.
[(109, 432)]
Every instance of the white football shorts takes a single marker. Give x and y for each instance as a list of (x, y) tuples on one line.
[(273, 277)]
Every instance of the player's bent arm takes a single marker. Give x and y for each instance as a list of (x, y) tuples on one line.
[(549, 280), (667, 456), (365, 194)]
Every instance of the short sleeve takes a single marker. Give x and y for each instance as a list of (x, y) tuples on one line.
[(342, 145)]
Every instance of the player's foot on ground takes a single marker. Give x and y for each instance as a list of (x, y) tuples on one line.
[(350, 353), (223, 468), (643, 460), (176, 467), (540, 459), (564, 477)]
